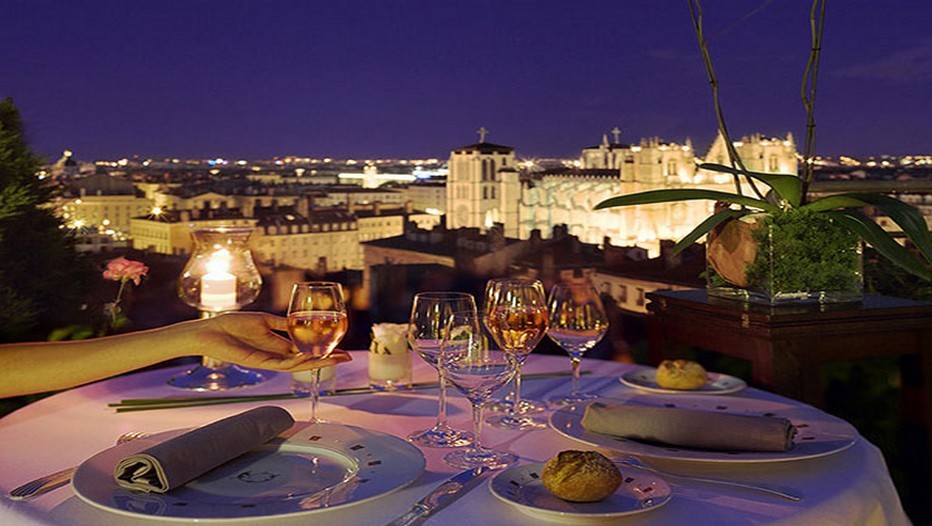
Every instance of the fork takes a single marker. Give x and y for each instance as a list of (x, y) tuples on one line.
[(43, 485), (638, 463)]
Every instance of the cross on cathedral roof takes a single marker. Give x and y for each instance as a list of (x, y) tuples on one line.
[(484, 147), (616, 134), (482, 133)]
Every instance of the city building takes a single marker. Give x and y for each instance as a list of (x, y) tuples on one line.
[(484, 187), (300, 234), (102, 202)]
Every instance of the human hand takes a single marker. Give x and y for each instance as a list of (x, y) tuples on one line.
[(248, 339)]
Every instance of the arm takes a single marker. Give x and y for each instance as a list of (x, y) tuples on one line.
[(244, 338)]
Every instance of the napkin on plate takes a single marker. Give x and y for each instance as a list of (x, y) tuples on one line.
[(179, 460), (690, 427)]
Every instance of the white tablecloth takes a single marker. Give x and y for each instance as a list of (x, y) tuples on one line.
[(848, 488)]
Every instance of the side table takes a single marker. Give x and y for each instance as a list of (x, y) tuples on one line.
[(787, 346)]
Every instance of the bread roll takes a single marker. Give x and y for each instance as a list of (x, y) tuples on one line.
[(580, 476), (681, 374)]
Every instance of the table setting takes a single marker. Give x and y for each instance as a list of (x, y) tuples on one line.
[(384, 443)]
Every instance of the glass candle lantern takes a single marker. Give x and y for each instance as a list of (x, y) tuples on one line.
[(220, 276)]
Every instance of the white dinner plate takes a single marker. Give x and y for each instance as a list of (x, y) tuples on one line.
[(645, 379), (817, 433), (521, 487), (322, 467)]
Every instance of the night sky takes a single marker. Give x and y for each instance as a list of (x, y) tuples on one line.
[(416, 78)]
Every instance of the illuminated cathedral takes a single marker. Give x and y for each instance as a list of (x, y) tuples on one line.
[(487, 185)]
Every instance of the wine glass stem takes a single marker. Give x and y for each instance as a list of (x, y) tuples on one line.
[(516, 398), (315, 393), (476, 425), (575, 361), (442, 400)]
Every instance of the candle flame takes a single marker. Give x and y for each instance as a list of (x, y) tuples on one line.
[(219, 262)]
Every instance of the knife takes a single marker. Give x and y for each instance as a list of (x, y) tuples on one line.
[(452, 489)]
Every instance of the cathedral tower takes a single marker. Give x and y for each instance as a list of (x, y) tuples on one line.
[(476, 184)]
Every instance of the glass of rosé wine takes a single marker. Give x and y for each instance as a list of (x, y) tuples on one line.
[(316, 324), (516, 316), (505, 405)]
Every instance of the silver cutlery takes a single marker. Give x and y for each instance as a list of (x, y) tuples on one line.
[(635, 462), (452, 489), (43, 485)]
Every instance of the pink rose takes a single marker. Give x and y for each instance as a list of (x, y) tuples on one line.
[(122, 269)]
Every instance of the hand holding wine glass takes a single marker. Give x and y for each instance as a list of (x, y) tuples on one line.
[(316, 324), (577, 323)]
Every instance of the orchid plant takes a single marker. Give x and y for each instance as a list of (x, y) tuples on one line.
[(788, 193)]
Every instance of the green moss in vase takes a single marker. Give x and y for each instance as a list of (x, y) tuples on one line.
[(800, 254)]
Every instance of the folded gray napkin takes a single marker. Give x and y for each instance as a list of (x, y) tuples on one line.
[(690, 428), (179, 460)]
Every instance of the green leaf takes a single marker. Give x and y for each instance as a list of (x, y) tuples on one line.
[(835, 202), (882, 241), (71, 332), (685, 194), (907, 217), (710, 222), (788, 187)]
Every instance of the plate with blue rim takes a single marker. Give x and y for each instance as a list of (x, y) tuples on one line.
[(645, 379), (317, 469), (521, 486), (817, 433)]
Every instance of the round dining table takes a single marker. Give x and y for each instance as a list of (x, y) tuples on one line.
[(850, 486)]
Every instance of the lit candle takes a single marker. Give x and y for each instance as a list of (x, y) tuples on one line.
[(218, 286)]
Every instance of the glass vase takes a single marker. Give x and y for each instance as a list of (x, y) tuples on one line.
[(787, 258)]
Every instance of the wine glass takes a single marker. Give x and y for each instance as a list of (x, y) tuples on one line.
[(477, 372), (577, 323), (430, 331), (316, 324), (517, 320), (506, 405)]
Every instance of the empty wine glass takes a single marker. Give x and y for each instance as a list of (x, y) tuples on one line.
[(316, 324), (506, 405), (517, 320), (477, 372), (430, 331), (577, 323)]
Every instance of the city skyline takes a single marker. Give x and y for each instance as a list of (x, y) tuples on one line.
[(416, 79)]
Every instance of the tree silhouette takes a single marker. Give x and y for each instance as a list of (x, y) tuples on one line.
[(43, 280)]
